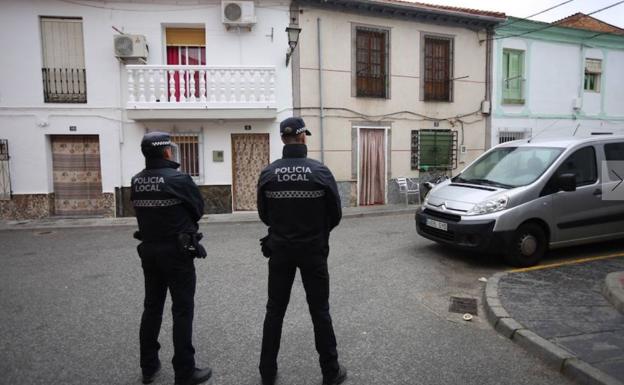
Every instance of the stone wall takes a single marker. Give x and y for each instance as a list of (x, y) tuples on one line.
[(38, 206), (27, 206)]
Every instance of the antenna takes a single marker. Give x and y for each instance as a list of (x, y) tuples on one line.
[(576, 129)]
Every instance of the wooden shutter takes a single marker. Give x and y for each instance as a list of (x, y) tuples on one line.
[(62, 43), (371, 63), (437, 69), (513, 76)]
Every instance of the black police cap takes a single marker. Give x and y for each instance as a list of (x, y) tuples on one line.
[(153, 142), (293, 126)]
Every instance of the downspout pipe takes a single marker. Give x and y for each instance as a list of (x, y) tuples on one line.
[(489, 59), (320, 78)]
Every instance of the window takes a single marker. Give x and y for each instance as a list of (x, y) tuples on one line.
[(510, 167), (186, 46), (593, 70), (614, 152), (507, 135), (583, 164), (513, 76), (371, 62), (434, 149), (189, 153), (63, 72), (437, 68)]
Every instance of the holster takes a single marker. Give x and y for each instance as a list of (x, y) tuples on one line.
[(189, 246), (264, 246)]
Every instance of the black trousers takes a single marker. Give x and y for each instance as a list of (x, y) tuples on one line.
[(165, 268), (282, 269)]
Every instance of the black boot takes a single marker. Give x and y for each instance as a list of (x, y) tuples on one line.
[(340, 377), (199, 376), (148, 378)]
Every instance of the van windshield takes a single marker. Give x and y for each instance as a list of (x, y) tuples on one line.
[(509, 167)]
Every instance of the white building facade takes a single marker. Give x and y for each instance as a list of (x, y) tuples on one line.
[(72, 114), (556, 81)]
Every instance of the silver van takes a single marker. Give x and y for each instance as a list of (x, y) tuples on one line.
[(520, 198)]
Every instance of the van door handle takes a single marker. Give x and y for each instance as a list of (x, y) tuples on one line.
[(597, 192)]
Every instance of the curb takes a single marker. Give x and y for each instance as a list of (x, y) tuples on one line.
[(613, 289), (556, 357), (207, 220)]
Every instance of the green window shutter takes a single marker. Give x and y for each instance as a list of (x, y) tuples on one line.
[(505, 75), (513, 74)]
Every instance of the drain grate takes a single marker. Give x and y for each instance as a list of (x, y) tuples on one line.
[(463, 305)]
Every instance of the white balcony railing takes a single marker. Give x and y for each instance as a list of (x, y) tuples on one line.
[(200, 87)]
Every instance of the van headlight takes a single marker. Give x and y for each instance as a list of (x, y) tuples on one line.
[(490, 206)]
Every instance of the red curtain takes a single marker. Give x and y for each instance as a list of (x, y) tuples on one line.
[(177, 55), (173, 59), (372, 167)]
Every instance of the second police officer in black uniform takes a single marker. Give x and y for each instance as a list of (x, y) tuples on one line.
[(298, 199), (168, 206)]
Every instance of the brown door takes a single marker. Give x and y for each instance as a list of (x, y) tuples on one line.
[(250, 154), (77, 176), (372, 167)]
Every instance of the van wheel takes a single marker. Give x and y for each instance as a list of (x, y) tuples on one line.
[(527, 247)]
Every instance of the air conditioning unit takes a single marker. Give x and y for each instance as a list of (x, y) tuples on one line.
[(238, 13), (131, 47)]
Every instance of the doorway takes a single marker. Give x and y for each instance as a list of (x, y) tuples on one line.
[(250, 155), (77, 175), (372, 176)]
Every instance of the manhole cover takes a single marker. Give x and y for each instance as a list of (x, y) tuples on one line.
[(463, 305)]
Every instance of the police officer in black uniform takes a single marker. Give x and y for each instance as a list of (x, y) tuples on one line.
[(168, 206), (298, 199)]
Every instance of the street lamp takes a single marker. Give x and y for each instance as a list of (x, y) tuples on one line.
[(293, 39)]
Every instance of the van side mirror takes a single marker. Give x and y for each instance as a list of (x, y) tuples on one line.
[(567, 182)]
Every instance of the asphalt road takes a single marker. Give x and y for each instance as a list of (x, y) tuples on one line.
[(71, 303)]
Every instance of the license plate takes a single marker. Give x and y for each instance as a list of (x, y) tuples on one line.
[(437, 225)]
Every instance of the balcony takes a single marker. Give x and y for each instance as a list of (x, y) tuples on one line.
[(156, 92)]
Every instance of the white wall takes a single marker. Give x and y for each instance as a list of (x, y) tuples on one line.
[(614, 83), (554, 73), (554, 78), (26, 121)]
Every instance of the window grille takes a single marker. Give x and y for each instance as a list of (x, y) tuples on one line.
[(5, 178), (438, 58), (508, 136), (434, 150), (371, 53), (189, 153)]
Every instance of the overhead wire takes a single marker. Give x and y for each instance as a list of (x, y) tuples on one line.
[(555, 25)]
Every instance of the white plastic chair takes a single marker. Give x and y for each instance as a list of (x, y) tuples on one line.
[(409, 186)]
